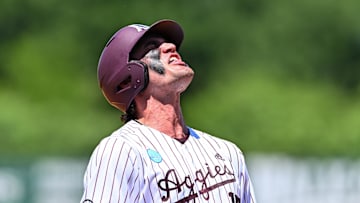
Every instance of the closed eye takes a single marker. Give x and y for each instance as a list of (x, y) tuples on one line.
[(152, 45), (146, 44)]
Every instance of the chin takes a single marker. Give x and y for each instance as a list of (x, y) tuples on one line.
[(184, 84)]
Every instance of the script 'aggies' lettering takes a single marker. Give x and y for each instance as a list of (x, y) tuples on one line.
[(172, 182)]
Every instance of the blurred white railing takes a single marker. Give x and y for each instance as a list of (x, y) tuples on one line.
[(283, 179)]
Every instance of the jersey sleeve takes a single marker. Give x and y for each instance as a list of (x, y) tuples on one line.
[(113, 173), (247, 192)]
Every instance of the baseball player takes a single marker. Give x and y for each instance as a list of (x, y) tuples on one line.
[(155, 156)]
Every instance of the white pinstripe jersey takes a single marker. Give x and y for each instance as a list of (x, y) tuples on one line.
[(140, 164)]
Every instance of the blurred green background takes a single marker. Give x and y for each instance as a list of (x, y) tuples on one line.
[(273, 76)]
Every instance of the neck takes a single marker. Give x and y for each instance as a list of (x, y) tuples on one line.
[(166, 118)]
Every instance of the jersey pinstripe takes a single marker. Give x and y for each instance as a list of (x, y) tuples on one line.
[(140, 164)]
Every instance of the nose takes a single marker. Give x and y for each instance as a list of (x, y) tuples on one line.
[(167, 48)]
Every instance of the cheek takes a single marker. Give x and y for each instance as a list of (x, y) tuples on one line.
[(157, 66), (153, 60)]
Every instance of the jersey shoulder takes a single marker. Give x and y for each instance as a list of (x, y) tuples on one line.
[(221, 143), (130, 133), (124, 139)]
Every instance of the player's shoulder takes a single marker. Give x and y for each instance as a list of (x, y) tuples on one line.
[(128, 129), (122, 141), (217, 141), (127, 135)]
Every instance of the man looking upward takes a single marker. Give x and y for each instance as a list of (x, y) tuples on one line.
[(155, 156)]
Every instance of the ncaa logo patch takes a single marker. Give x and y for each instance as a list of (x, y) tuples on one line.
[(139, 27), (154, 156)]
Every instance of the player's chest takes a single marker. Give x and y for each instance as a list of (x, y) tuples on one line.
[(185, 174)]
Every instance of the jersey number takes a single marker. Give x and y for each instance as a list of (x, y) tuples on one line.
[(234, 198)]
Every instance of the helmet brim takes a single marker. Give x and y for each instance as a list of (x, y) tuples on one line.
[(170, 30)]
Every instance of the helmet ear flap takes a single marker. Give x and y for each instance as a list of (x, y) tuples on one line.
[(126, 83), (140, 65)]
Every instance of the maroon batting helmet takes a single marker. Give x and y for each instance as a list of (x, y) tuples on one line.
[(121, 77)]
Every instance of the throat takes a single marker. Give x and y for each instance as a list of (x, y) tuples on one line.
[(166, 118)]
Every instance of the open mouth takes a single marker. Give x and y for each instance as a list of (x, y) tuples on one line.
[(173, 59), (176, 60)]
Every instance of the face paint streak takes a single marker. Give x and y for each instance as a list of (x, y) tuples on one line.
[(153, 57)]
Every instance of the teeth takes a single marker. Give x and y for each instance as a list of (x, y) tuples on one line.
[(172, 59)]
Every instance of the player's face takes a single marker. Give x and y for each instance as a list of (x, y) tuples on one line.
[(167, 69)]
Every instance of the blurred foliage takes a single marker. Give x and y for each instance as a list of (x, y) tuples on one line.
[(273, 76)]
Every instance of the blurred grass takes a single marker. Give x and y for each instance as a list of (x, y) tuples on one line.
[(273, 76), (266, 113), (51, 127)]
